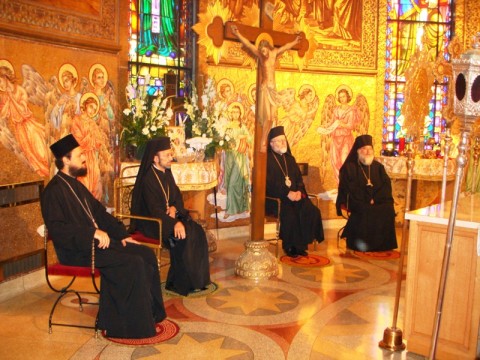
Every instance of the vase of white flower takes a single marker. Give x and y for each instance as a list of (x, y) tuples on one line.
[(209, 118), (146, 118)]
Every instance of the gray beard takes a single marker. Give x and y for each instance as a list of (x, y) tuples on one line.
[(366, 160)]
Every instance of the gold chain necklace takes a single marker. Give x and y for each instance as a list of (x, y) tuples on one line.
[(369, 183), (85, 207), (167, 193), (288, 182)]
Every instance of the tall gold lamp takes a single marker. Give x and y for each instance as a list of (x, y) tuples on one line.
[(466, 73)]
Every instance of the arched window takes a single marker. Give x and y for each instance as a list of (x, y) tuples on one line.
[(161, 45), (407, 22)]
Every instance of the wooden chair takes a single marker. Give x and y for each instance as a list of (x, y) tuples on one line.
[(123, 189), (345, 213), (274, 217), (54, 268), (317, 204)]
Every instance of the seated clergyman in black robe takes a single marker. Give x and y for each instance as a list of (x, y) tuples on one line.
[(366, 191), (131, 301), (157, 195), (300, 220)]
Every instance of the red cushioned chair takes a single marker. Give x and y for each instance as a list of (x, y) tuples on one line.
[(123, 189), (54, 268)]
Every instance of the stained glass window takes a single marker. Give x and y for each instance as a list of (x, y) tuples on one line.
[(408, 21), (161, 45)]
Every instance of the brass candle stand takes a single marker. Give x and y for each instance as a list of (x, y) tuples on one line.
[(466, 71), (446, 152), (462, 160), (392, 336), (476, 156)]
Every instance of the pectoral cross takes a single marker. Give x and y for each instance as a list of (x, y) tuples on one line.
[(220, 32)]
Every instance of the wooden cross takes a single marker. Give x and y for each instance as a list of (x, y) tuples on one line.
[(219, 32)]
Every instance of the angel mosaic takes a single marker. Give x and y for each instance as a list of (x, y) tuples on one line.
[(341, 122), (297, 113), (20, 132), (61, 99), (92, 141), (65, 100), (103, 88), (226, 91), (237, 164)]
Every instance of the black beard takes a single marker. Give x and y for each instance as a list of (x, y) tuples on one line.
[(76, 172)]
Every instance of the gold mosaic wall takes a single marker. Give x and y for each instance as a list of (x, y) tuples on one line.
[(45, 35), (322, 73)]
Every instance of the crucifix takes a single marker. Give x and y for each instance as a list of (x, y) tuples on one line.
[(265, 107)]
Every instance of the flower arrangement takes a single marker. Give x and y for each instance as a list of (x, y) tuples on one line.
[(209, 119), (146, 118)]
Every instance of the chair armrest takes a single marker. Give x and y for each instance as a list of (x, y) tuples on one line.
[(279, 203), (47, 239), (314, 196), (147, 218)]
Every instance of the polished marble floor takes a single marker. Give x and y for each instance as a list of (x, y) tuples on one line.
[(338, 311)]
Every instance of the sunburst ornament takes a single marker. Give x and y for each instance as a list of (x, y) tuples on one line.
[(215, 12)]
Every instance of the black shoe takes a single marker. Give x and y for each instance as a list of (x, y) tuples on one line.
[(302, 252), (291, 252)]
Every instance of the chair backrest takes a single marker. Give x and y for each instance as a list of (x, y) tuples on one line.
[(123, 189), (303, 168), (53, 266)]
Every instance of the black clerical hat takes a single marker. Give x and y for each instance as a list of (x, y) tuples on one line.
[(159, 144), (362, 140), (151, 149), (63, 146), (276, 131)]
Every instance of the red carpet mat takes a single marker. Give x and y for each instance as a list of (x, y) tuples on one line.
[(378, 255), (311, 260), (165, 330)]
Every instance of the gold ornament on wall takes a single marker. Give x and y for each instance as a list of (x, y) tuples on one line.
[(443, 69), (418, 92)]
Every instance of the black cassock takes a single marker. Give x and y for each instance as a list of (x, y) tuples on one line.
[(371, 225), (189, 266), (131, 300), (300, 221)]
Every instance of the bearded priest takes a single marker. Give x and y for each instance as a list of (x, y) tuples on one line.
[(300, 220), (365, 190)]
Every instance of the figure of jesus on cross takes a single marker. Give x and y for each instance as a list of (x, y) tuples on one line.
[(267, 56)]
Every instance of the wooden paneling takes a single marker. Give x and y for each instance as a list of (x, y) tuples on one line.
[(460, 314)]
